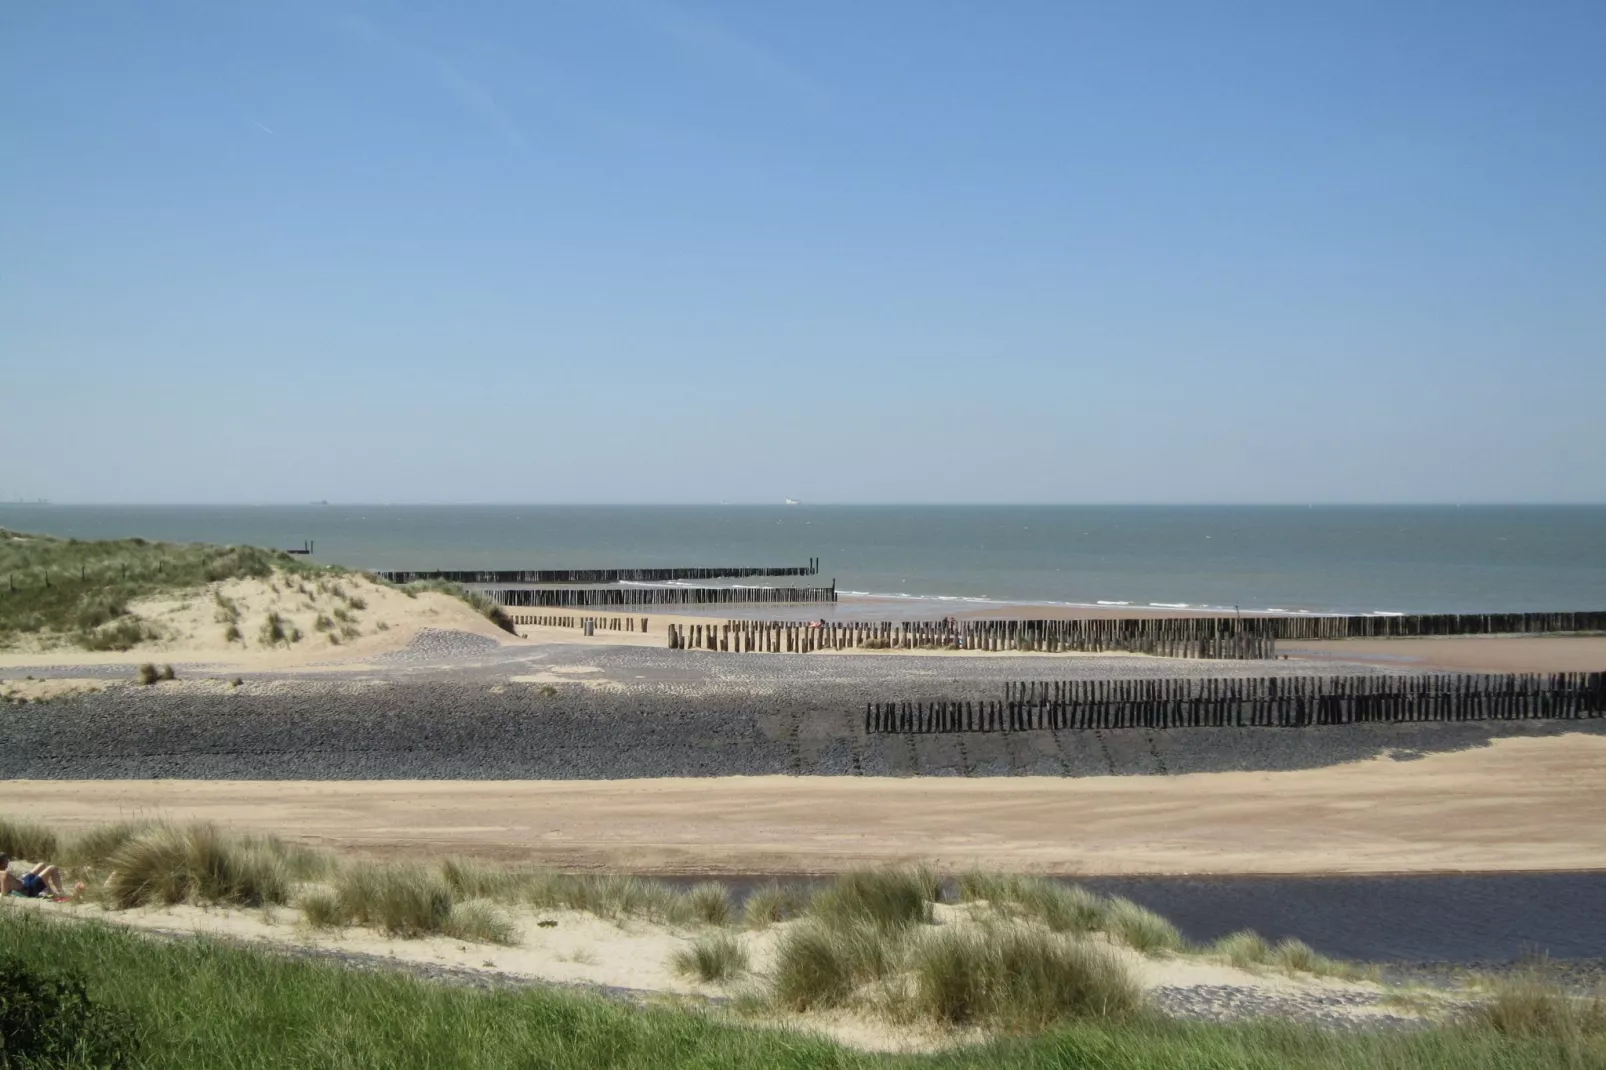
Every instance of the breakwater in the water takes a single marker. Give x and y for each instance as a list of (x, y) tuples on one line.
[(655, 596), (1271, 702), (598, 575)]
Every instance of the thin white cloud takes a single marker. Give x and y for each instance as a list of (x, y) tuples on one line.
[(261, 126), (474, 98), (718, 46)]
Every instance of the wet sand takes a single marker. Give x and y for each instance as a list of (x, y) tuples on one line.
[(1517, 804)]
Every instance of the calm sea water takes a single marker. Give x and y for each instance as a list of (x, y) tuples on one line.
[(1333, 558)]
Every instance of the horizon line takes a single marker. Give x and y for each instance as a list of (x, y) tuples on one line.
[(766, 503)]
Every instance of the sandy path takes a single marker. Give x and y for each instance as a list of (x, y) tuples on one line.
[(1467, 653), (1520, 804)]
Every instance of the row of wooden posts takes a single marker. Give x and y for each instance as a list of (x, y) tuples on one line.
[(1268, 702), (599, 575), (656, 596), (1411, 624), (1174, 637), (83, 575), (595, 624)]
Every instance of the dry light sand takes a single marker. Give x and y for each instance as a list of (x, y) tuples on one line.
[(1465, 653), (1518, 804)]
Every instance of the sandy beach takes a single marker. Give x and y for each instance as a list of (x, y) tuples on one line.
[(1517, 804), (1462, 653)]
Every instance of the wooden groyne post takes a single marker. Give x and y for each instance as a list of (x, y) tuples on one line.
[(1269, 702)]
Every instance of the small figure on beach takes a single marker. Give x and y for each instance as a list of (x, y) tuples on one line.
[(43, 879)]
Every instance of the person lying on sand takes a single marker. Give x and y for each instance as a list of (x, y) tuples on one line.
[(43, 879)]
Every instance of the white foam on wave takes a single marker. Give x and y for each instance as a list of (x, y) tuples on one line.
[(983, 600)]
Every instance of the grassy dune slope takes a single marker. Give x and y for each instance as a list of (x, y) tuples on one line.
[(1018, 973), (74, 593), (201, 1003), (82, 590)]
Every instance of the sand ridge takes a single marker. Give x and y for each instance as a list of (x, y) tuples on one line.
[(1520, 803)]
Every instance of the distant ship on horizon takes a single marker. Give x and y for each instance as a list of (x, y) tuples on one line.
[(793, 501)]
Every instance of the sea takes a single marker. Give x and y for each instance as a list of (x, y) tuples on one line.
[(1294, 559)]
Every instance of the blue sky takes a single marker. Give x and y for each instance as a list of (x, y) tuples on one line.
[(640, 250)]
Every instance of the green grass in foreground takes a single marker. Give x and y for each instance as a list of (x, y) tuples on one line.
[(204, 1004)]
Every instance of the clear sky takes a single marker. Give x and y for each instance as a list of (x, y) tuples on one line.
[(867, 251)]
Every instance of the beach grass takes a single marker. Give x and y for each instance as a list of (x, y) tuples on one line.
[(714, 957), (492, 611), (773, 902), (1243, 949), (1060, 907), (199, 1003), (1528, 1005), (405, 901), (1141, 929), (710, 904), (321, 908), (821, 964), (163, 864), (883, 897), (90, 850), (482, 880), (27, 840), (1015, 979), (480, 922)]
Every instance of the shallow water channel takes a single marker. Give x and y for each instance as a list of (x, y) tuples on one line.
[(1477, 918)]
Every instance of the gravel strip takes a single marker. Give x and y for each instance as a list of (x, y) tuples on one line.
[(478, 727), (436, 644), (451, 706), (1232, 1003)]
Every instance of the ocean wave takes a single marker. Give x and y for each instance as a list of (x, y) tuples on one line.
[(984, 600)]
